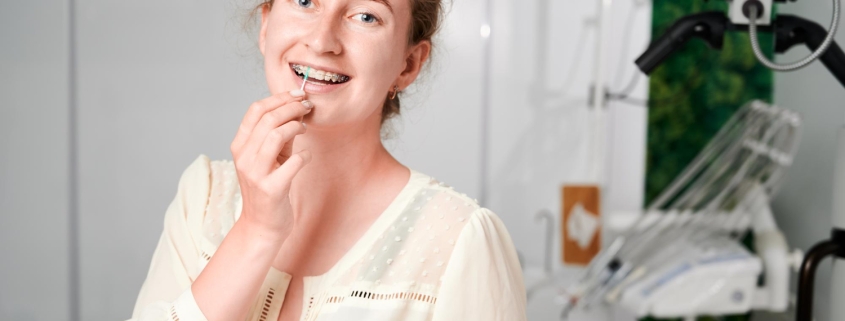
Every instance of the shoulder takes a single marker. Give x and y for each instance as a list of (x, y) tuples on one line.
[(457, 219), (224, 201), (202, 178), (443, 200), (203, 167), (205, 198), (206, 179), (465, 240), (191, 193), (194, 182)]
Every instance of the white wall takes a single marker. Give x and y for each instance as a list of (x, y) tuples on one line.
[(159, 83), (541, 124), (439, 130), (541, 128), (803, 207), (34, 282)]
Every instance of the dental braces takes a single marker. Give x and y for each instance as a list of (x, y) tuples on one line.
[(327, 76)]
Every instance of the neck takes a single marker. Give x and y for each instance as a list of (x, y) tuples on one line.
[(345, 161)]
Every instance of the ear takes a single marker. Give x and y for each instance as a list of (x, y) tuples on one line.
[(415, 58), (262, 35)]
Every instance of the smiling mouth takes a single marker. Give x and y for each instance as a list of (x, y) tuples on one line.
[(319, 76)]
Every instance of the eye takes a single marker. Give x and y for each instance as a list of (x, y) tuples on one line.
[(366, 17), (304, 3)]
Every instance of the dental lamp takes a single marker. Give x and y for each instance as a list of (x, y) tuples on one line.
[(788, 31), (754, 16)]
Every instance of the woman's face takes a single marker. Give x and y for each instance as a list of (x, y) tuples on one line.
[(357, 50)]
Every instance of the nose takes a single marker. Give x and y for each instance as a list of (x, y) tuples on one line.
[(323, 38)]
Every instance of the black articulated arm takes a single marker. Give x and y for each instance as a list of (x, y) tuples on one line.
[(709, 26), (791, 30)]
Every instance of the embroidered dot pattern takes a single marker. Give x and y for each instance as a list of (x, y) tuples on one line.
[(418, 244), (222, 210), (224, 199)]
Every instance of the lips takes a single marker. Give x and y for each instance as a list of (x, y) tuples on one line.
[(318, 75)]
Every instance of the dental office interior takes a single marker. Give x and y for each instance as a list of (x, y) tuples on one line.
[(706, 187)]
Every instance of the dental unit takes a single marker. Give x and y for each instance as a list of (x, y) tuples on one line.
[(787, 31), (683, 257)]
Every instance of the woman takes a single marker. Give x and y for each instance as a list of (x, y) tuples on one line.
[(323, 223)]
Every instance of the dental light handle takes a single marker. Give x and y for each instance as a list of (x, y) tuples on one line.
[(755, 13), (709, 26), (792, 30)]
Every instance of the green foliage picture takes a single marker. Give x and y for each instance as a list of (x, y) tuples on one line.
[(694, 92)]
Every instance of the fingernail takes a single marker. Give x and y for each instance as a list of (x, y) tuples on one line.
[(308, 104), (303, 125), (297, 93)]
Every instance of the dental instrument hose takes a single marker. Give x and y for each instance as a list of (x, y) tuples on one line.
[(755, 44)]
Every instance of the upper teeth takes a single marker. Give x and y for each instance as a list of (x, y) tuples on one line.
[(319, 74)]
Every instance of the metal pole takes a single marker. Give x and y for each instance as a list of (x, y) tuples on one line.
[(598, 94)]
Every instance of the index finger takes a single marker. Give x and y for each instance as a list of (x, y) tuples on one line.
[(261, 107)]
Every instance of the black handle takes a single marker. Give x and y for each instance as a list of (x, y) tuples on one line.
[(807, 277), (791, 30), (709, 26)]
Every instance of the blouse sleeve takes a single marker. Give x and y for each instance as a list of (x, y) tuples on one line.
[(166, 292), (483, 279)]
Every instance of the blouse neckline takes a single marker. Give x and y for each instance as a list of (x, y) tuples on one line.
[(313, 283)]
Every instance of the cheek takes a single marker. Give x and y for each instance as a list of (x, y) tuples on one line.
[(377, 67), (280, 39), (280, 36), (380, 61)]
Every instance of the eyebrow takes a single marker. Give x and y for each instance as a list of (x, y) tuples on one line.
[(385, 3)]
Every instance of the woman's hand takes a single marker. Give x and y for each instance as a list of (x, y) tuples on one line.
[(262, 151), (226, 287)]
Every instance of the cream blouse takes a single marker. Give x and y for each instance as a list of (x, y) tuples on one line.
[(433, 254)]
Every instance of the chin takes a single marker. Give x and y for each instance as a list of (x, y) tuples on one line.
[(328, 115)]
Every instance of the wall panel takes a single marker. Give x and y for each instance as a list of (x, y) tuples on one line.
[(34, 188)]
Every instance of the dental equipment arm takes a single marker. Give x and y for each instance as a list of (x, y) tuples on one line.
[(710, 26), (793, 30)]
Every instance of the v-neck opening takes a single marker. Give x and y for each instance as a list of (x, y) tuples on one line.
[(370, 236)]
